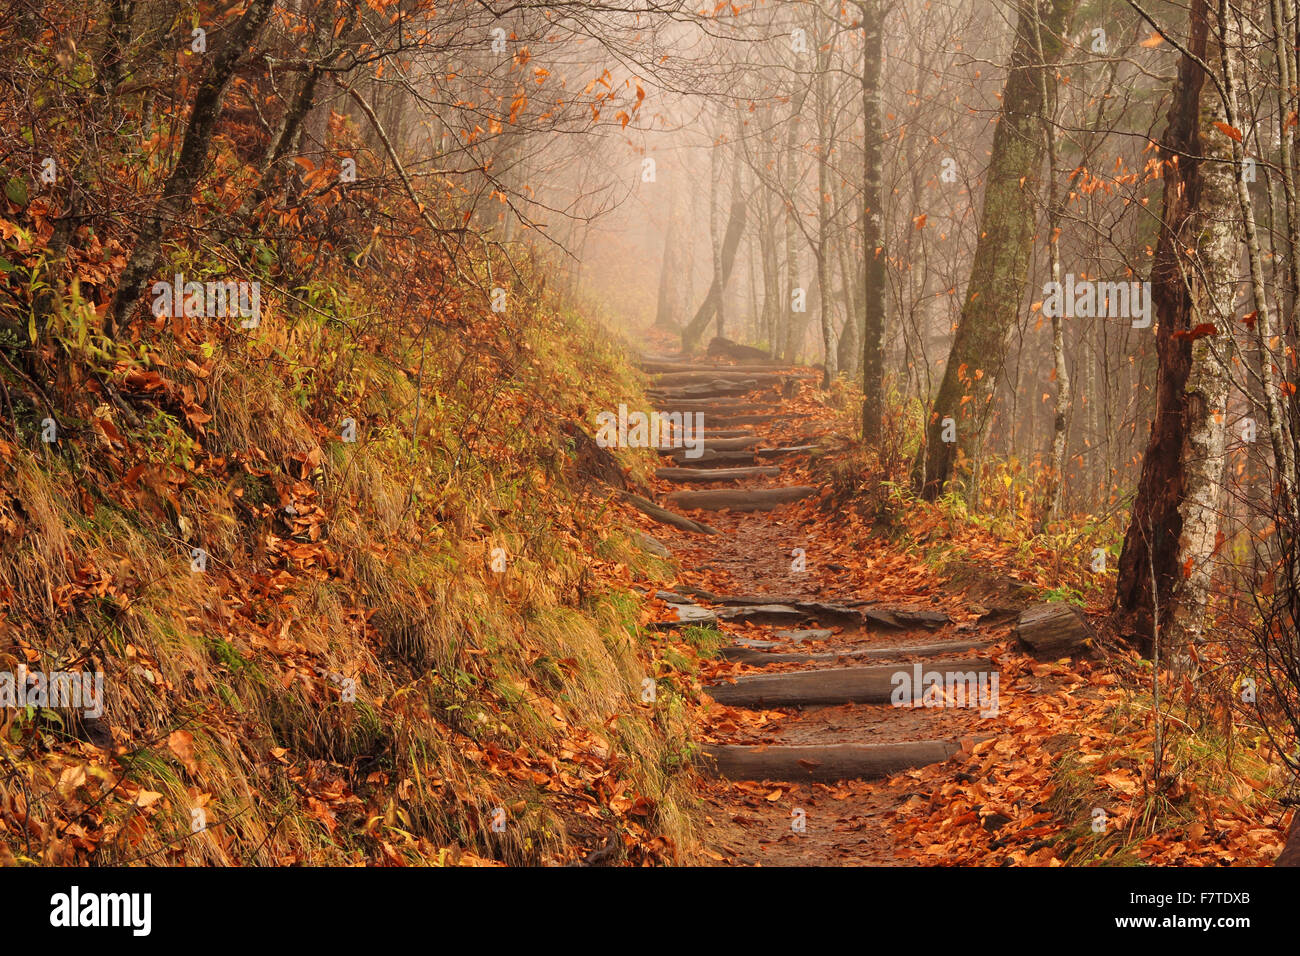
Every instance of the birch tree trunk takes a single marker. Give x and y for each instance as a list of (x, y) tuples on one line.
[(1061, 416), (1166, 565)]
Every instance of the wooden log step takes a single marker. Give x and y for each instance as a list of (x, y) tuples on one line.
[(716, 474), (782, 452), (825, 763), (805, 634), (841, 685), (705, 404), (715, 444), (725, 418), (666, 366), (715, 390), (664, 516), (677, 379), (744, 653), (709, 458), (740, 499)]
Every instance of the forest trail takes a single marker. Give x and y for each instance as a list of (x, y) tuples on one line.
[(809, 754)]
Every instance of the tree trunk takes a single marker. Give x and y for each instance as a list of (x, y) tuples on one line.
[(873, 242), (1001, 266), (1061, 417), (824, 212), (1166, 563), (713, 301), (194, 151), (667, 274)]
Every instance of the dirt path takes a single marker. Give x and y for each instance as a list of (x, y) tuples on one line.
[(777, 588)]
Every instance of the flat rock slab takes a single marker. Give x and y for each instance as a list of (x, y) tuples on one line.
[(650, 545), (1054, 628), (763, 614), (824, 764), (901, 619), (842, 685), (684, 615), (744, 499), (716, 474), (819, 610)]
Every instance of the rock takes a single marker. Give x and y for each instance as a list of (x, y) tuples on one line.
[(650, 545), (686, 615), (901, 618), (725, 348), (1052, 629)]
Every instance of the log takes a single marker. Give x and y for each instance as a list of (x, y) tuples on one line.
[(729, 419), (715, 474), (782, 452), (654, 365), (714, 444), (708, 458), (664, 516), (698, 377), (708, 404), (841, 685), (1053, 628), (760, 657), (826, 763), (805, 634), (740, 499), (713, 390)]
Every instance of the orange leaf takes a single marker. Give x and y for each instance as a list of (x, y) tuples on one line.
[(1228, 131)]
